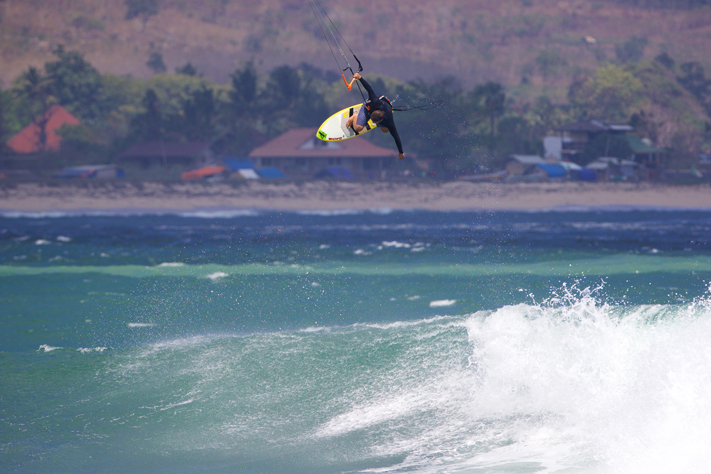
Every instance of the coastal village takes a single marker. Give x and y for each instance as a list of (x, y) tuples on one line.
[(299, 154), (596, 108)]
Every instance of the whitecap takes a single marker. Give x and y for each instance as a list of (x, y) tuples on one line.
[(63, 238), (396, 244), (47, 348), (440, 303), (42, 242), (140, 325), (85, 350), (171, 264), (217, 275)]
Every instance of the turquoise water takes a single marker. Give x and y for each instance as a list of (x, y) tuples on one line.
[(568, 341)]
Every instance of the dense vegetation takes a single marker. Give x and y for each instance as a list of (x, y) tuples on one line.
[(480, 126)]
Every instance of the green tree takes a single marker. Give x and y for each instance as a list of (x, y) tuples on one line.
[(243, 95), (665, 60), (82, 144), (290, 100), (5, 101), (155, 62), (142, 9), (490, 99), (610, 94), (187, 70), (443, 134), (199, 112), (631, 50), (543, 116), (148, 126), (75, 84), (516, 136), (694, 80), (32, 89)]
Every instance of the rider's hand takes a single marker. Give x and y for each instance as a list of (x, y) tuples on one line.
[(356, 76), (401, 156)]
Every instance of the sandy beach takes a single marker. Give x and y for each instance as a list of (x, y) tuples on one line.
[(324, 195)]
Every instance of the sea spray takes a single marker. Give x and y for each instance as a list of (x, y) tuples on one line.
[(560, 341)]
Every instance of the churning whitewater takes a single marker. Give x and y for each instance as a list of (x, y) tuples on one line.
[(374, 342)]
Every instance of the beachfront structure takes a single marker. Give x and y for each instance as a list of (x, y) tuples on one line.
[(298, 152), (613, 169), (519, 165), (575, 136), (166, 154), (41, 135), (651, 160)]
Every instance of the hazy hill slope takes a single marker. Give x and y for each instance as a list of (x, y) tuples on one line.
[(537, 43)]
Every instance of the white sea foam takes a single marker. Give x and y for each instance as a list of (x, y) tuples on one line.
[(42, 242), (85, 350), (329, 213), (177, 404), (171, 264), (568, 385), (140, 325), (396, 244), (63, 238), (441, 303), (48, 348), (621, 387), (217, 275)]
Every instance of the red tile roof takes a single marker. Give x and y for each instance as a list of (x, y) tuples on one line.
[(28, 139), (302, 143)]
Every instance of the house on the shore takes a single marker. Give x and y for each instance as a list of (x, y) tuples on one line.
[(23, 152), (167, 154), (651, 159), (298, 152), (574, 137), (41, 135)]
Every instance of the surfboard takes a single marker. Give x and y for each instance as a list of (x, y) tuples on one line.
[(334, 128)]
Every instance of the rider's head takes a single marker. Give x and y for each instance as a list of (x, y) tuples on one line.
[(377, 116)]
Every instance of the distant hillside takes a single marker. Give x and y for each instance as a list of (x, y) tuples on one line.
[(531, 46)]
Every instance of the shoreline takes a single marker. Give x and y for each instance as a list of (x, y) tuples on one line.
[(128, 198)]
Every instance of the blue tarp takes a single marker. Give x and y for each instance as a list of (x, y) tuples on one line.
[(553, 171), (334, 172), (235, 164), (270, 173), (587, 175)]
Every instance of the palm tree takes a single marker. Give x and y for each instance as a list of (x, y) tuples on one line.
[(35, 88)]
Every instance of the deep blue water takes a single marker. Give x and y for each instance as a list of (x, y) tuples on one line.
[(267, 342)]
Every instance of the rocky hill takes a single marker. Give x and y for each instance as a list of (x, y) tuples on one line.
[(531, 46)]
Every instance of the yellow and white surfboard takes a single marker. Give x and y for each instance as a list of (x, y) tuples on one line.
[(334, 128)]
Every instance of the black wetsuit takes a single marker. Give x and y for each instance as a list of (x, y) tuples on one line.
[(373, 104)]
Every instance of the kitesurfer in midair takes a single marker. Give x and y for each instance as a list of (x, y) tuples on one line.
[(380, 111)]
